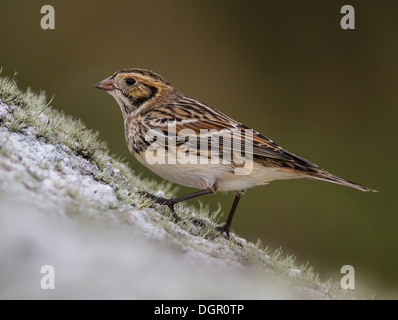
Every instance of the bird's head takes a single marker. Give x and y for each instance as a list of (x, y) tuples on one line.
[(133, 88)]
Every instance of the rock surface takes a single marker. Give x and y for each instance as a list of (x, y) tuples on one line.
[(55, 211)]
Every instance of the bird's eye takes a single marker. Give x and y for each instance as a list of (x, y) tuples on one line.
[(130, 81)]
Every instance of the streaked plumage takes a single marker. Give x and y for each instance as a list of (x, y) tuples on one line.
[(149, 102)]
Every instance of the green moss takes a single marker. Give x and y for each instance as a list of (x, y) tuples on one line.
[(28, 109)]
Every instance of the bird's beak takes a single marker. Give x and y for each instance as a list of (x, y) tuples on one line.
[(106, 84)]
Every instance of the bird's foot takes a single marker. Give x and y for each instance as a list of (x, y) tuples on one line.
[(163, 201), (224, 229)]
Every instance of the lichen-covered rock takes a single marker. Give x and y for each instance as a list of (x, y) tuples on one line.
[(65, 202)]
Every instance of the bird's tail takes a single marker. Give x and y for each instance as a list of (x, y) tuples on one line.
[(326, 176)]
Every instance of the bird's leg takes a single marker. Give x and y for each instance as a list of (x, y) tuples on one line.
[(171, 202), (227, 225)]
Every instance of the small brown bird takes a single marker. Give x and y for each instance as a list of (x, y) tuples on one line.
[(192, 144)]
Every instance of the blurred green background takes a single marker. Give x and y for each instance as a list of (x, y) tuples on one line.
[(285, 68)]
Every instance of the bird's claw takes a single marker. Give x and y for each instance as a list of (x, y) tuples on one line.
[(163, 201)]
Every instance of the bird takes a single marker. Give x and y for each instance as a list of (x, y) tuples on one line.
[(178, 137)]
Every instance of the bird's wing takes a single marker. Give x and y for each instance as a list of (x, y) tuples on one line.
[(196, 118)]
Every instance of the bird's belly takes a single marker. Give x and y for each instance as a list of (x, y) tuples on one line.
[(259, 175), (204, 176), (190, 175)]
